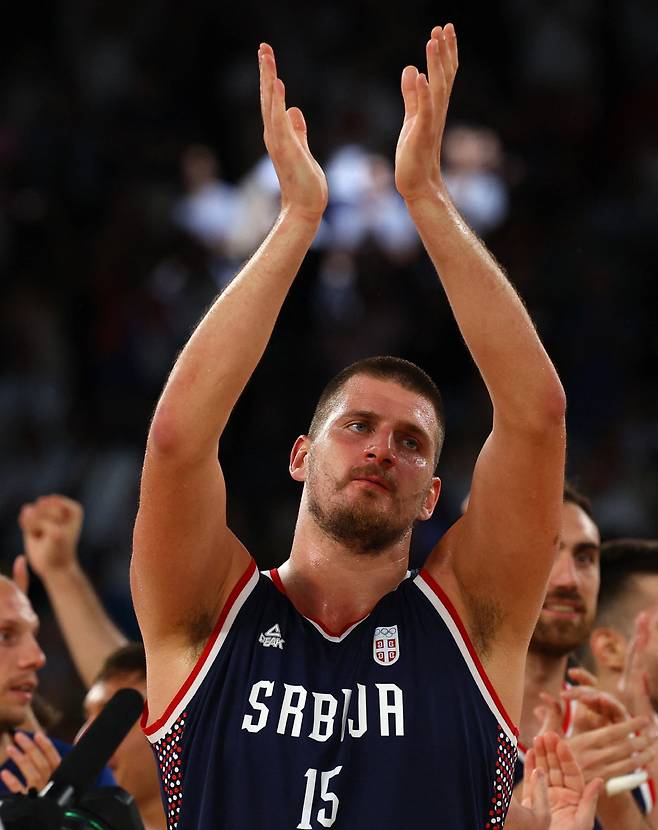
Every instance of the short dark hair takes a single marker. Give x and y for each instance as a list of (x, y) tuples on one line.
[(573, 496), (397, 369), (129, 659), (621, 561)]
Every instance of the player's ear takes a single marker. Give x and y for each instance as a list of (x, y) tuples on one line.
[(298, 457), (609, 648), (430, 500)]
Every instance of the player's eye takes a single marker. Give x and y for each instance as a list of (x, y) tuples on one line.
[(358, 426), (410, 443)]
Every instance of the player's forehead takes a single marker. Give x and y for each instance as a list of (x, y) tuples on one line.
[(15, 607), (577, 527), (384, 398)]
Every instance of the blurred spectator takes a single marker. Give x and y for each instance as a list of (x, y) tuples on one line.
[(473, 162)]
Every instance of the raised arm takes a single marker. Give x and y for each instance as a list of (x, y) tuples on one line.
[(51, 529), (185, 560), (508, 534)]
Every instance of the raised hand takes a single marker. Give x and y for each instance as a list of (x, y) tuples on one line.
[(634, 684), (553, 780), (51, 528), (35, 757), (418, 153), (301, 179)]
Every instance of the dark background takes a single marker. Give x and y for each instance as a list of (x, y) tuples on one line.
[(102, 286)]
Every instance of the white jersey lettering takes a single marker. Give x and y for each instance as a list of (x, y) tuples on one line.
[(263, 712), (396, 708), (288, 709)]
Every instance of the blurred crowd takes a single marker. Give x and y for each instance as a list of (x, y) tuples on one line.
[(134, 184)]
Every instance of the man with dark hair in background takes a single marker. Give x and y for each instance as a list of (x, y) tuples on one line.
[(624, 641), (603, 747), (132, 763)]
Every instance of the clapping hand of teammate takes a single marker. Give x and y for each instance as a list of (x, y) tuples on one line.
[(617, 745), (51, 529), (301, 179), (426, 98), (554, 791), (633, 686), (36, 758)]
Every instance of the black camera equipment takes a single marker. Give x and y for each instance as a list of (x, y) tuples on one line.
[(66, 802)]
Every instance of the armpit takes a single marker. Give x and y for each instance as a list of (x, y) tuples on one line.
[(485, 617)]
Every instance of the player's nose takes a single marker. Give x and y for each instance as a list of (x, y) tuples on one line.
[(381, 447)]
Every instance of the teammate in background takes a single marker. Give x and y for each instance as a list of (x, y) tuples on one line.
[(601, 742), (26, 760), (626, 626), (51, 529), (132, 763), (624, 641), (326, 693), (105, 660)]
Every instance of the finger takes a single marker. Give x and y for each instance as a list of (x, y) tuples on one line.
[(552, 716), (435, 69), (49, 751), (626, 766), (555, 775), (298, 124), (20, 573), (33, 756), (425, 114), (599, 702), (446, 61), (28, 518), (409, 94), (11, 782), (59, 508), (25, 764), (582, 676), (267, 68), (539, 747), (571, 772), (540, 802), (608, 736), (529, 783), (588, 802), (451, 40)]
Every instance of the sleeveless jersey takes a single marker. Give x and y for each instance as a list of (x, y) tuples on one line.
[(390, 724)]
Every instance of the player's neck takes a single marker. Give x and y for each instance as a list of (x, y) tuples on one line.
[(543, 673), (332, 584)]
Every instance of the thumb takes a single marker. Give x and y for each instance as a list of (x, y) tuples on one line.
[(298, 123), (589, 800), (549, 715), (20, 573)]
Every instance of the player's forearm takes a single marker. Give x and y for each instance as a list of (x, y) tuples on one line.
[(218, 360), (519, 375), (89, 633)]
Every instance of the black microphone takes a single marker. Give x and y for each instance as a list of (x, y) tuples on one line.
[(80, 767)]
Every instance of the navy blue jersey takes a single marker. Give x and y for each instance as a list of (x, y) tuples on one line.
[(283, 725)]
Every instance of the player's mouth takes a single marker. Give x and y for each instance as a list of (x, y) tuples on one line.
[(23, 691), (373, 482), (563, 609)]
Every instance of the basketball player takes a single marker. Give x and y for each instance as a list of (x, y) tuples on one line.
[(335, 691), (606, 747)]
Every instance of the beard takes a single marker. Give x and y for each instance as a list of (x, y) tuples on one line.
[(364, 527), (360, 530)]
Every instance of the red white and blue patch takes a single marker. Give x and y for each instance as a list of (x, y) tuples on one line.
[(386, 645)]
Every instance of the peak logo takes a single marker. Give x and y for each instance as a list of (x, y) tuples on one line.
[(272, 638)]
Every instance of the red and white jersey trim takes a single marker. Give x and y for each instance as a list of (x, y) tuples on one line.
[(439, 599), (333, 637), (159, 728)]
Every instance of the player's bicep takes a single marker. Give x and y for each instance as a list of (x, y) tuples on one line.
[(509, 532), (184, 556)]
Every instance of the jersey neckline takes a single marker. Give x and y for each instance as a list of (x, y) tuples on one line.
[(332, 636)]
